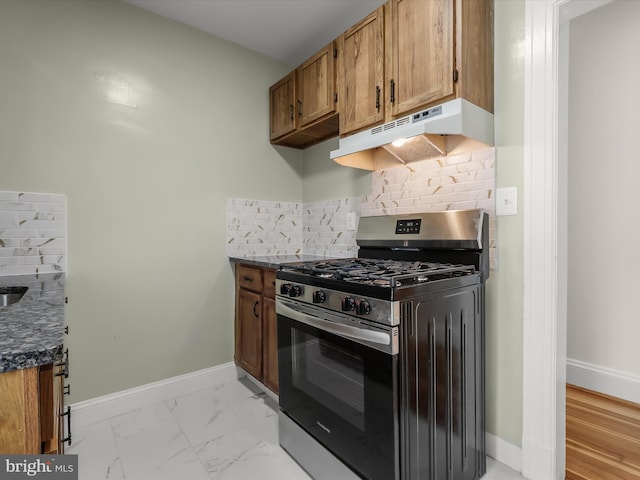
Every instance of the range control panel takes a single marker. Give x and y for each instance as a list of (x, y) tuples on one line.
[(408, 226), (377, 310)]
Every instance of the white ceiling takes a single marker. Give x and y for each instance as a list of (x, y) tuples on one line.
[(286, 30)]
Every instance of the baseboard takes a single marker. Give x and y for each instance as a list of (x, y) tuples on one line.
[(102, 408), (504, 452), (605, 380)]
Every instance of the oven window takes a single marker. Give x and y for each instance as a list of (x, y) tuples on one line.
[(332, 375)]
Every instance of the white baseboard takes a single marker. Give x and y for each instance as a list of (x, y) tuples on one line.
[(504, 452), (605, 380), (101, 408)]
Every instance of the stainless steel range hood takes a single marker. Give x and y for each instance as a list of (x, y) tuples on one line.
[(451, 128)]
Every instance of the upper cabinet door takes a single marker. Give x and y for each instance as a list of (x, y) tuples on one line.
[(361, 89), (317, 86), (282, 98), (421, 58)]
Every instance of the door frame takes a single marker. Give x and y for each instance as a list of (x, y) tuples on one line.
[(546, 48)]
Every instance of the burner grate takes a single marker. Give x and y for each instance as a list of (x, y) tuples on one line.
[(381, 272)]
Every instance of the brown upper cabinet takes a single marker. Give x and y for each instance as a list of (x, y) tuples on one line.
[(413, 54), (405, 56), (361, 74), (303, 108), (421, 54), (282, 101), (439, 50)]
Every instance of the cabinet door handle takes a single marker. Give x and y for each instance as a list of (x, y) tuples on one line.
[(291, 111), (68, 414), (248, 279), (65, 363), (299, 108), (392, 98), (255, 313), (377, 98)]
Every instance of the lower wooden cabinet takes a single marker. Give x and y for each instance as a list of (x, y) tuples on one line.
[(31, 411), (256, 347)]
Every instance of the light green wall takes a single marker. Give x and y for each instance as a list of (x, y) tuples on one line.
[(324, 179), (149, 283), (505, 287)]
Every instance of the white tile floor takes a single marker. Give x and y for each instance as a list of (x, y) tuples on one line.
[(227, 432)]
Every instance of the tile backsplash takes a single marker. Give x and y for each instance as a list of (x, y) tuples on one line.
[(257, 227), (448, 183), (32, 233), (326, 230)]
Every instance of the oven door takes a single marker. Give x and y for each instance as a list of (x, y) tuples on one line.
[(338, 384)]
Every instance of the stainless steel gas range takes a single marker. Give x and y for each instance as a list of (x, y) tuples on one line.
[(381, 358)]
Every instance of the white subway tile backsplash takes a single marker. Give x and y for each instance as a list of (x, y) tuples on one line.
[(32, 233), (40, 198), (9, 261), (8, 223)]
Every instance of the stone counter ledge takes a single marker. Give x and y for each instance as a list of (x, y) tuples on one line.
[(32, 330)]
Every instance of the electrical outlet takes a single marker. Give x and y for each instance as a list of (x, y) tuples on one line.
[(506, 201)]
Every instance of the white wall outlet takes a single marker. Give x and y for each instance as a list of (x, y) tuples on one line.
[(351, 221), (507, 201)]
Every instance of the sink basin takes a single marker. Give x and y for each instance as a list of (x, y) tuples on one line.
[(11, 295)]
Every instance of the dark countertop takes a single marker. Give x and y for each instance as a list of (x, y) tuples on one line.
[(276, 261), (32, 330)]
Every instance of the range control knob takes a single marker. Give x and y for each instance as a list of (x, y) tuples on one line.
[(363, 307), (319, 296), (296, 291), (285, 288), (348, 304)]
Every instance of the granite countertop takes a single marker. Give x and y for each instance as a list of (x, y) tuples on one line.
[(276, 261), (32, 330)]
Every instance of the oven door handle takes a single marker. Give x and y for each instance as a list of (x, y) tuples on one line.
[(332, 327)]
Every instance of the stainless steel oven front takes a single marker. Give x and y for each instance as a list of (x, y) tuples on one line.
[(339, 383)]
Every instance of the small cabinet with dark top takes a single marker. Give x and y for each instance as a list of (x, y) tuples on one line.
[(255, 324)]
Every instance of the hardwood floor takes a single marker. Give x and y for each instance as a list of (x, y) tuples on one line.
[(603, 437)]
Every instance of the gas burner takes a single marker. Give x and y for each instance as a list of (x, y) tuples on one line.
[(382, 272)]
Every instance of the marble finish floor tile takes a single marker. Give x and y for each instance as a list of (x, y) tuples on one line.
[(152, 446), (98, 457), (225, 432)]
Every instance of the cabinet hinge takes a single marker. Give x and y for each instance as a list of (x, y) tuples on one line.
[(455, 75), (335, 53), (335, 97)]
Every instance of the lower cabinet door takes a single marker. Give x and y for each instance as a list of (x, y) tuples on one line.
[(249, 343), (51, 406), (30, 407)]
